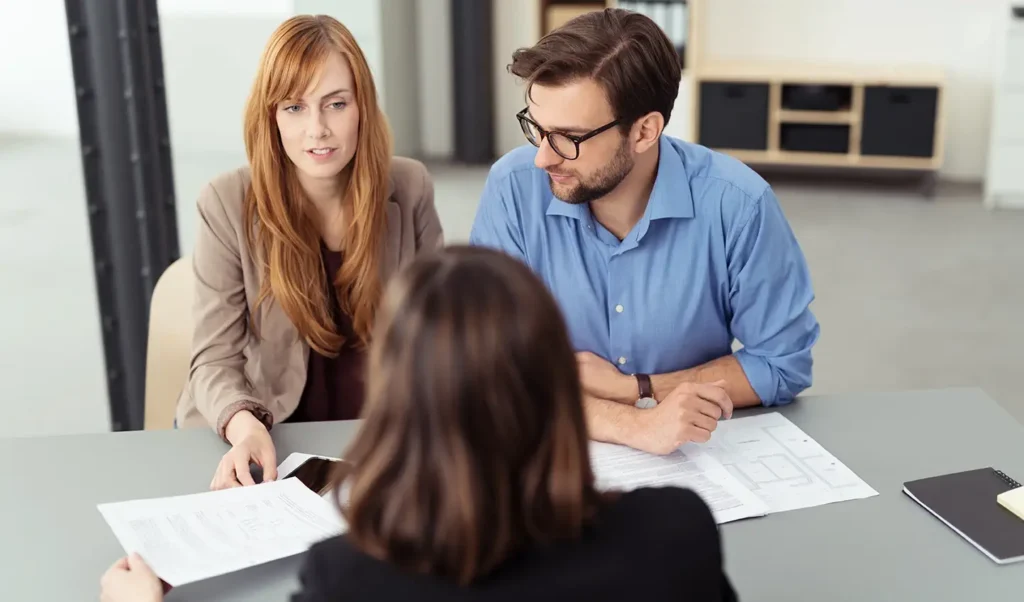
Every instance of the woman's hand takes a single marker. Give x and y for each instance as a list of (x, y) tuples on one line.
[(131, 580), (250, 442)]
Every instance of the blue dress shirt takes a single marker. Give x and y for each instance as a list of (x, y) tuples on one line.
[(711, 261)]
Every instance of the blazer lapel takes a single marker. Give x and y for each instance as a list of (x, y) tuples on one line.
[(393, 232), (392, 239)]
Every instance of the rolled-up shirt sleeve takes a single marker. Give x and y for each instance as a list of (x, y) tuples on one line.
[(770, 295)]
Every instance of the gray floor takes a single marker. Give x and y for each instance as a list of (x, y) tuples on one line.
[(910, 293)]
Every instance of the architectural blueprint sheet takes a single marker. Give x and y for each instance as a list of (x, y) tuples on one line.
[(619, 467), (781, 464)]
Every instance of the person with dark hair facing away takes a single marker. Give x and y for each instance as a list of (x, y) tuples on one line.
[(661, 253), (470, 477)]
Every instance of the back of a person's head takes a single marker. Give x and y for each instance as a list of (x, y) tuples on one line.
[(474, 441)]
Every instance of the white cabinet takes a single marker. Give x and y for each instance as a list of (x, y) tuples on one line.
[(1004, 184)]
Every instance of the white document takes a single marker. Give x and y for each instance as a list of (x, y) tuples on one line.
[(782, 465), (193, 537), (619, 467)]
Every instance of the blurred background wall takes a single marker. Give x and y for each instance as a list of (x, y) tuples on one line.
[(954, 264)]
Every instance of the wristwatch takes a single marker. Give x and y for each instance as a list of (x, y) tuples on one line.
[(646, 399)]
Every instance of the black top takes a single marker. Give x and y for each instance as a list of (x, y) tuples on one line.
[(334, 385), (651, 544)]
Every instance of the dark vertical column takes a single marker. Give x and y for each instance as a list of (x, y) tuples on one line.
[(473, 77), (122, 116)]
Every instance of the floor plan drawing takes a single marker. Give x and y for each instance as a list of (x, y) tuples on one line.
[(783, 465)]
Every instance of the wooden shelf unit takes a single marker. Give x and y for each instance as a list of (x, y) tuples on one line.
[(554, 13), (901, 87)]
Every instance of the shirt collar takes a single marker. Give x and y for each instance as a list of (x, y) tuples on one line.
[(557, 206), (670, 196)]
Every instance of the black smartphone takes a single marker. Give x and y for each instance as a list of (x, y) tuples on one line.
[(320, 474)]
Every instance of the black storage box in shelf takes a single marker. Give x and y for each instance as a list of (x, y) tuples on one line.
[(808, 97), (899, 122), (815, 138), (733, 115)]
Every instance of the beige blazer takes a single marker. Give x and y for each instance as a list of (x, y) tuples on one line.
[(231, 368)]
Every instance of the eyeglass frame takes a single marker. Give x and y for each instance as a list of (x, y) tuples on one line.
[(576, 140)]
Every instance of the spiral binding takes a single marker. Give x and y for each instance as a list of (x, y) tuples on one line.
[(1009, 480)]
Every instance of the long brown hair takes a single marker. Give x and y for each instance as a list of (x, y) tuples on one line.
[(474, 443), (282, 233)]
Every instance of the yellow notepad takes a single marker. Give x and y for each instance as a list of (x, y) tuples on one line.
[(1013, 500)]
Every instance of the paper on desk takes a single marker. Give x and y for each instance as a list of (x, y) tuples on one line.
[(618, 467), (193, 537), (782, 465)]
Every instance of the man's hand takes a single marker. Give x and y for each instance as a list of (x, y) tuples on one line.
[(603, 380), (689, 413)]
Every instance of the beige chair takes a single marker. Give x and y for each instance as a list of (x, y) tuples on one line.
[(169, 346)]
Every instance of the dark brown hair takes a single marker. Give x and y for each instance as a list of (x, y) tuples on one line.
[(474, 442), (626, 53)]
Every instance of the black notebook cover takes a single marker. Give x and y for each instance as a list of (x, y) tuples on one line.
[(966, 502)]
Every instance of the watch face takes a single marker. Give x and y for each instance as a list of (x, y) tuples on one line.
[(646, 403)]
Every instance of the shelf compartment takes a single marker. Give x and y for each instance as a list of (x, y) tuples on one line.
[(812, 97), (815, 138), (846, 117), (733, 115), (899, 121)]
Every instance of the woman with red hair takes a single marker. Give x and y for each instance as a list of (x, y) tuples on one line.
[(293, 250)]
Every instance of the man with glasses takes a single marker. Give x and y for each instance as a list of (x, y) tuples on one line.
[(661, 253)]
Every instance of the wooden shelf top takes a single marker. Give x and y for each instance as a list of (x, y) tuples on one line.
[(781, 157), (790, 116), (819, 73)]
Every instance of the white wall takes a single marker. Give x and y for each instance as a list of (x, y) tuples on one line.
[(516, 24), (400, 74), (434, 64), (37, 86), (961, 36), (211, 49), (210, 60), (37, 93), (265, 8)]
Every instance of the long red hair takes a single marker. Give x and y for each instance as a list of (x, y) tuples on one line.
[(282, 233)]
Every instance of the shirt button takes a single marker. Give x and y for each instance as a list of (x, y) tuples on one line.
[(619, 308), (622, 361)]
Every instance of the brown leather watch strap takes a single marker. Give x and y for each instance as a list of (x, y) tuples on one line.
[(644, 385)]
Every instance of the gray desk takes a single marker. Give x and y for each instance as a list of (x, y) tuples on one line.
[(55, 545)]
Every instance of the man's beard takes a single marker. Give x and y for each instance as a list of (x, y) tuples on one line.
[(601, 183)]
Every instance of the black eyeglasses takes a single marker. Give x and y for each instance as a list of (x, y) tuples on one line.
[(565, 145)]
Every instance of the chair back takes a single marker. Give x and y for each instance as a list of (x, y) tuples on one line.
[(169, 346)]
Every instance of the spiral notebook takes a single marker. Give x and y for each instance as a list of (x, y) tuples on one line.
[(966, 502)]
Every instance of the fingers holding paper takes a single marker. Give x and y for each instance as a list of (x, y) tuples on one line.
[(130, 580)]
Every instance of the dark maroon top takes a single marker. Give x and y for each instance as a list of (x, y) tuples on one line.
[(334, 385)]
